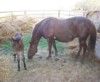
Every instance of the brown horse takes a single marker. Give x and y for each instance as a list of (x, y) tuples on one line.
[(18, 49), (64, 30)]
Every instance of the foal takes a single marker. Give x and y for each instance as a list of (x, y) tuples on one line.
[(18, 49)]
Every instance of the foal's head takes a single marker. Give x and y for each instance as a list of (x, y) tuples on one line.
[(17, 42), (17, 37)]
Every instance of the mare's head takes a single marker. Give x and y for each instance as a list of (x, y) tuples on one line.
[(32, 50)]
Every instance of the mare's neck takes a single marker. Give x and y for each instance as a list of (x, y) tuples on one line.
[(36, 39)]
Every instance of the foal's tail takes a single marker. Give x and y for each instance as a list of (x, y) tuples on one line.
[(92, 41)]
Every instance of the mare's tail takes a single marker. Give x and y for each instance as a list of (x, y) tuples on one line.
[(92, 41)]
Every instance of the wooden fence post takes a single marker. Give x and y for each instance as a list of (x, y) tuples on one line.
[(12, 15), (58, 13), (25, 13), (69, 13)]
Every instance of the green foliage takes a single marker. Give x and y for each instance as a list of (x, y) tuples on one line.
[(43, 44), (26, 39), (7, 46)]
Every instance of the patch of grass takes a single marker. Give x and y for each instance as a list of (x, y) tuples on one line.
[(26, 38), (43, 44), (7, 46)]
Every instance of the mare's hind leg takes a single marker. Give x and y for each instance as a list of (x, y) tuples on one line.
[(54, 45), (49, 47), (80, 48), (84, 50)]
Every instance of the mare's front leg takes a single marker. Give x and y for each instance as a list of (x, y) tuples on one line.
[(80, 48), (84, 51), (49, 47), (54, 45)]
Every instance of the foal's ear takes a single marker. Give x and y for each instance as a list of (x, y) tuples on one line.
[(21, 34), (12, 38)]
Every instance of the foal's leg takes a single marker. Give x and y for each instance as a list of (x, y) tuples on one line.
[(14, 56), (49, 47), (23, 58), (18, 60), (54, 45), (24, 64)]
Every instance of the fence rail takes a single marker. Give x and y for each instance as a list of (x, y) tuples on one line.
[(42, 13)]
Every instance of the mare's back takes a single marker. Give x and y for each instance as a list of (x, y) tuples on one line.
[(73, 24), (62, 28)]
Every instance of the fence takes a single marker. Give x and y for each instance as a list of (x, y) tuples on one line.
[(38, 14)]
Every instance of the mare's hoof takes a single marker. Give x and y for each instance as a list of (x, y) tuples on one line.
[(56, 54), (56, 59), (14, 60), (64, 61), (25, 68), (82, 61), (77, 56), (48, 57), (18, 69), (40, 57)]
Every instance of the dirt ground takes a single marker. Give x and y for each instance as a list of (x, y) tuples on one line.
[(61, 68)]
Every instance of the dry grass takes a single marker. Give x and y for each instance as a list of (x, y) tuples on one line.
[(42, 70), (10, 26), (63, 68), (5, 68)]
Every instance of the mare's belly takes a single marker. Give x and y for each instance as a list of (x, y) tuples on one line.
[(64, 37)]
